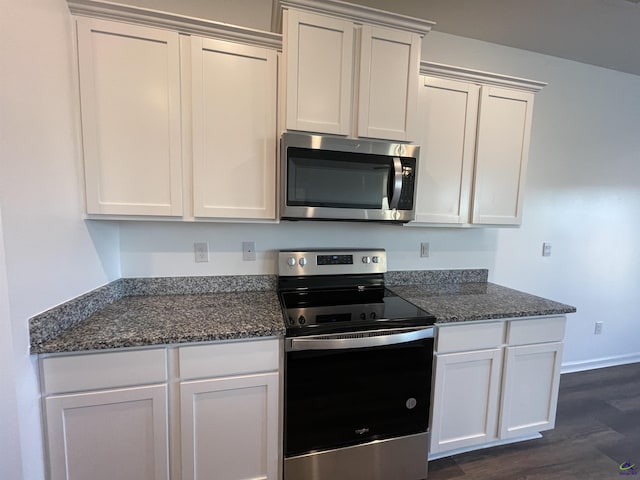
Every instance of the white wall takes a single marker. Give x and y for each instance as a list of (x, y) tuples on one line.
[(52, 255), (254, 14), (10, 455), (582, 194), (159, 249)]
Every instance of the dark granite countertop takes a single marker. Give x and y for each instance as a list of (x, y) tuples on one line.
[(134, 312), (135, 321), (168, 310), (463, 302)]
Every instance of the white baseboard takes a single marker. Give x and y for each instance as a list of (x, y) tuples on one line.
[(449, 453), (570, 367)]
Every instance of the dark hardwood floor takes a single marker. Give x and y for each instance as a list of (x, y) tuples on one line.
[(597, 429)]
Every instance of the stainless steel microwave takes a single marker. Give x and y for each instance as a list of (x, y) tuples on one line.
[(330, 178)]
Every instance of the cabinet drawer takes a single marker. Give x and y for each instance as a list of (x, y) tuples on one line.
[(456, 338), (537, 330), (233, 358), (103, 370)]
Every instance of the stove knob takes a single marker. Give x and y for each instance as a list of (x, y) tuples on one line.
[(366, 259), (302, 320), (375, 259), (291, 261), (373, 315), (291, 321), (363, 316), (302, 262)]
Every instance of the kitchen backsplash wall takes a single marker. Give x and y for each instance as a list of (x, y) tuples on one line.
[(166, 249)]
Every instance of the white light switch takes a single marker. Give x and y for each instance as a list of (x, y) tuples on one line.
[(546, 249)]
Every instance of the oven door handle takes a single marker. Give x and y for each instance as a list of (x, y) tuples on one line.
[(356, 340)]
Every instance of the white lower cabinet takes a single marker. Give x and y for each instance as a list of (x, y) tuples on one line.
[(111, 415), (466, 406), (229, 424), (106, 415), (495, 381), (108, 434), (530, 396), (229, 427)]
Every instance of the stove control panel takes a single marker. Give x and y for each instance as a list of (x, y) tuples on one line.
[(331, 262), (347, 314)]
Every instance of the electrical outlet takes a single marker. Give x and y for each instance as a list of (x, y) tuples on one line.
[(598, 329), (424, 249), (546, 249), (201, 252), (248, 251)]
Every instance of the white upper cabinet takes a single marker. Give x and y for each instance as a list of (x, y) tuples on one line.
[(388, 87), (175, 124), (234, 129), (130, 105), (504, 130), (474, 131), (351, 70), (320, 57), (448, 119)]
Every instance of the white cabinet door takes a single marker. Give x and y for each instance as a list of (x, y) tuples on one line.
[(106, 435), (447, 131), (319, 64), (504, 127), (234, 90), (230, 428), (465, 399), (530, 389), (388, 93), (130, 104)]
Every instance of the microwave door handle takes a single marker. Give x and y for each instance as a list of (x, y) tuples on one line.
[(396, 183)]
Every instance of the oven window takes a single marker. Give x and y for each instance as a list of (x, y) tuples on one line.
[(336, 398), (338, 180)]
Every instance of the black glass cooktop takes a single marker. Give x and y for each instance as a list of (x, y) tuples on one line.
[(338, 310)]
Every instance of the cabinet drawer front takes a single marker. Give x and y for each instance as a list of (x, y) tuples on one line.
[(456, 338), (537, 330), (103, 370), (233, 358)]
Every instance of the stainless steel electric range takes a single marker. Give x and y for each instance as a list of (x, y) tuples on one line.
[(358, 364)]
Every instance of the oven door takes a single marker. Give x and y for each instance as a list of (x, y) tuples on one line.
[(347, 391)]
